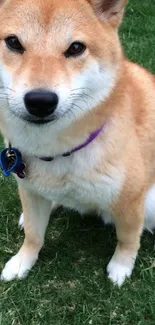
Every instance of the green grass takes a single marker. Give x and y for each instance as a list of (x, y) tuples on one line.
[(68, 285)]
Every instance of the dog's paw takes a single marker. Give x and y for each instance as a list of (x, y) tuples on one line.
[(21, 221), (118, 272), (18, 267)]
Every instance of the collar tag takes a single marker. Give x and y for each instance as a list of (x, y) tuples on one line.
[(11, 162)]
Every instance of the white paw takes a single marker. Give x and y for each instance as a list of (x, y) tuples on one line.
[(118, 272), (21, 221), (18, 267)]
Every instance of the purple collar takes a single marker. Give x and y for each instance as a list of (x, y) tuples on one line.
[(91, 138)]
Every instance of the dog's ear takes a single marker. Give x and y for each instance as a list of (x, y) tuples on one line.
[(1, 2), (109, 10)]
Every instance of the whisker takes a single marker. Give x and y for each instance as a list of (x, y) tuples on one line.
[(82, 88), (2, 87)]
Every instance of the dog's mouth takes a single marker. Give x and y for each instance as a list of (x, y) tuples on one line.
[(37, 121), (33, 120)]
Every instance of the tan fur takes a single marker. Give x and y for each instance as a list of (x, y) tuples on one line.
[(127, 146)]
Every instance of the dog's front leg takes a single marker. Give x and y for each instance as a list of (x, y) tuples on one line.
[(36, 216), (129, 225)]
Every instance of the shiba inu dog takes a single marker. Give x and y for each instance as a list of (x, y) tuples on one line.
[(83, 117)]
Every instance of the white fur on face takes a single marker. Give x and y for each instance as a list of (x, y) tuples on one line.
[(87, 90)]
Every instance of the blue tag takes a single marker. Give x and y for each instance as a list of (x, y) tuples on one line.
[(11, 162)]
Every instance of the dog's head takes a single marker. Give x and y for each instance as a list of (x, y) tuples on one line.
[(58, 60)]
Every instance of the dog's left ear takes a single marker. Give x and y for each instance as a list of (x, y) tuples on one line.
[(110, 11), (1, 2)]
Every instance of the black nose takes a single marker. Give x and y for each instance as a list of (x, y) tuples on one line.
[(41, 103)]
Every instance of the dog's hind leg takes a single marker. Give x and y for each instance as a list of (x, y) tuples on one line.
[(149, 223), (36, 216), (21, 221)]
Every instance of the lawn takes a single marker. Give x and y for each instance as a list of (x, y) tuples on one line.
[(68, 285)]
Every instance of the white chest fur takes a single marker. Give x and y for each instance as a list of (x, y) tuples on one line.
[(75, 181)]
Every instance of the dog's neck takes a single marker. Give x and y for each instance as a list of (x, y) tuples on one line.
[(91, 138)]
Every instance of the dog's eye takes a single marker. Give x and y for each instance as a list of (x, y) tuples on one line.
[(75, 49), (13, 44)]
